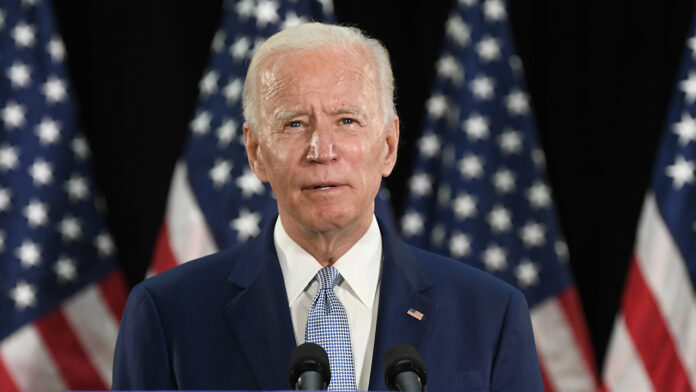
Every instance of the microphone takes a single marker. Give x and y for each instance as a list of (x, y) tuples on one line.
[(309, 368), (403, 369)]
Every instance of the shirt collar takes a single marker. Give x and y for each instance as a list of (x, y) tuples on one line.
[(360, 266)]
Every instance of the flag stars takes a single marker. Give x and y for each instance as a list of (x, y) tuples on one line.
[(499, 219), (488, 49), (464, 206), (448, 67), (437, 235), (48, 131), (2, 241), (29, 254), (494, 258), (220, 173), (246, 224), (459, 245), (504, 181), (80, 148), (510, 142), (685, 129), (23, 295), (420, 184), (539, 195), (42, 172), (476, 127), (250, 184), (482, 88), (105, 245), (218, 43), (54, 90), (458, 31), (226, 132), (2, 19), (8, 158), (13, 115), (471, 167), (56, 50), (70, 228), (36, 213), (412, 224), (19, 75), (517, 102), (233, 91), (527, 274), (240, 48), (209, 84), (200, 125), (266, 12), (437, 106), (561, 249), (533, 234), (245, 9), (444, 193), (682, 172), (688, 86), (24, 35), (5, 199), (292, 20), (494, 10), (429, 145), (77, 188), (65, 270)]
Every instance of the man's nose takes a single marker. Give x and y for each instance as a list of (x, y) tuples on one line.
[(321, 145)]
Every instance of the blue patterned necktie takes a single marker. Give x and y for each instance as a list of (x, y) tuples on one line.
[(327, 326)]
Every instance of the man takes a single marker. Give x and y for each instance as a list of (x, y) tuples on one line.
[(322, 130)]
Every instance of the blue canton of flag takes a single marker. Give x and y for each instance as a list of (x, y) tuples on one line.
[(60, 292), (478, 192)]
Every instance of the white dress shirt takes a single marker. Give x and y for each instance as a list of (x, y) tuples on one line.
[(358, 291)]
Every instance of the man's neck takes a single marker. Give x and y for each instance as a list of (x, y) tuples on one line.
[(326, 246)]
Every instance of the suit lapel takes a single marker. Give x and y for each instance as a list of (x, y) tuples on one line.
[(401, 289), (259, 313)]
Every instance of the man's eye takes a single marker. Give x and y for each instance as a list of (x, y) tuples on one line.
[(294, 124), (347, 121)]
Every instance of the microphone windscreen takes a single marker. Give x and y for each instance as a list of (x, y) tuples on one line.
[(308, 357), (401, 358)]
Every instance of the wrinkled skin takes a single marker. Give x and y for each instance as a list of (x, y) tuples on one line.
[(322, 143)]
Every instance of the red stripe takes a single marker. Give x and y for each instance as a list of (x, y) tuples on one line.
[(67, 352), (6, 383), (548, 387), (650, 335), (570, 303), (113, 290), (163, 257)]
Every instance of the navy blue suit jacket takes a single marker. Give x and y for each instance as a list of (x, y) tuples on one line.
[(223, 322)]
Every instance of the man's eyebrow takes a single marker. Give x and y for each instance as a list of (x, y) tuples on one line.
[(287, 116), (350, 110)]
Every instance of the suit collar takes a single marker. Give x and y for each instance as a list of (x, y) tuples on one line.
[(259, 313), (404, 285)]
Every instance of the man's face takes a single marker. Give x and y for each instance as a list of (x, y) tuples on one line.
[(321, 140)]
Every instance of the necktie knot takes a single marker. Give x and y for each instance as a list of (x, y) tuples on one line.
[(328, 277)]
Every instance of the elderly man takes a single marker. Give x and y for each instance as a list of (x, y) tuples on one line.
[(322, 130)]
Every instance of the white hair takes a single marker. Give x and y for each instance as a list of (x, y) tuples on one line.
[(311, 36)]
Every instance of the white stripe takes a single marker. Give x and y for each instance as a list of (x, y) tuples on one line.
[(623, 368), (95, 328), (558, 350), (28, 362), (189, 235), (665, 272)]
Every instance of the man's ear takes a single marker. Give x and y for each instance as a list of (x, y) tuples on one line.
[(253, 147), (392, 146)]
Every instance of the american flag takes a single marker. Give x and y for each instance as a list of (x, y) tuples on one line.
[(653, 344), (215, 200), (61, 295), (478, 191)]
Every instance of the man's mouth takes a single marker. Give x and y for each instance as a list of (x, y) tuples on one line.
[(323, 186)]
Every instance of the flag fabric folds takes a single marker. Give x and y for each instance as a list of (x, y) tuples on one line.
[(215, 200), (653, 344), (478, 192), (61, 294)]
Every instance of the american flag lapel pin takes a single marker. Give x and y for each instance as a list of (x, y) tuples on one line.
[(415, 314)]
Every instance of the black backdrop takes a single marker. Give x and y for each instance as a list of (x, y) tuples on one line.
[(600, 74)]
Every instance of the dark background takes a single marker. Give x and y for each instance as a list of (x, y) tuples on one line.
[(600, 74)]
